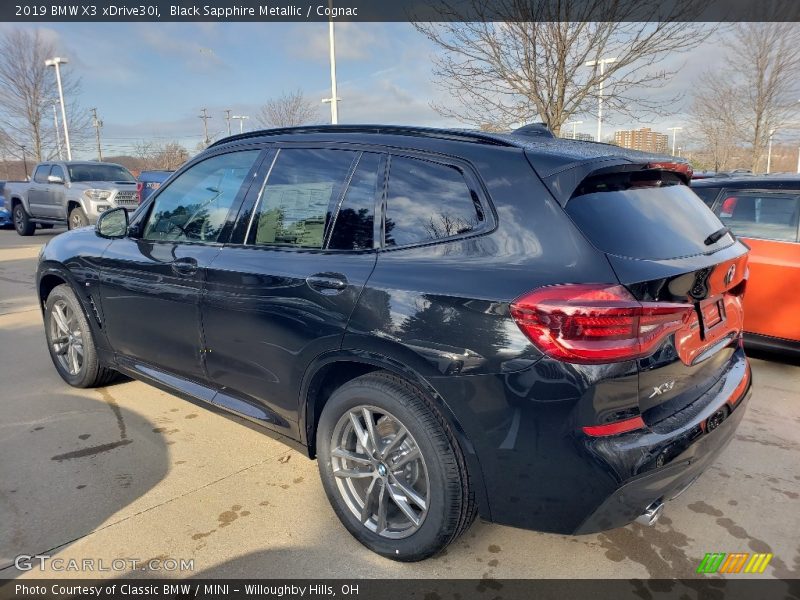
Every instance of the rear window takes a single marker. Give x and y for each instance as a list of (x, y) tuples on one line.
[(646, 220), (99, 172)]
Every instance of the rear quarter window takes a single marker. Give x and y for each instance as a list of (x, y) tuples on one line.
[(429, 201), (707, 194)]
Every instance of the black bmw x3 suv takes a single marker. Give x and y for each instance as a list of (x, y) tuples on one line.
[(543, 332)]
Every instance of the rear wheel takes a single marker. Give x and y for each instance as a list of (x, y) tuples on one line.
[(70, 341), (77, 218), (22, 222), (391, 469)]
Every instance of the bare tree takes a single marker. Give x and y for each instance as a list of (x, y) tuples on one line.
[(764, 80), (515, 61), (168, 156), (27, 91), (288, 110), (714, 113), (735, 108)]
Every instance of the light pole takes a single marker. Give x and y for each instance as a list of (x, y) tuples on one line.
[(769, 150), (574, 127), (58, 133), (674, 131), (241, 119), (56, 62), (334, 99), (602, 64)]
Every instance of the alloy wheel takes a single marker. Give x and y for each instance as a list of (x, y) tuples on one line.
[(380, 472), (66, 337)]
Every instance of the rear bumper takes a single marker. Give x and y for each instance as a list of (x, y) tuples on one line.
[(540, 471), (632, 498)]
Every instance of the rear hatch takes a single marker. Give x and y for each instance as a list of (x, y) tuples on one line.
[(671, 252)]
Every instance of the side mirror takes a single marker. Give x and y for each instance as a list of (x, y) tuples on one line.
[(113, 224), (55, 179)]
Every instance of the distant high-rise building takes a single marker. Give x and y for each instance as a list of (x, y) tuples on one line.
[(644, 139)]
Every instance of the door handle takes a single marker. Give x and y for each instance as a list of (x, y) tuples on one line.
[(184, 266), (325, 283)]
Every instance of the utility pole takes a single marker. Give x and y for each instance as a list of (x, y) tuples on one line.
[(58, 133), (25, 161), (205, 118), (602, 64), (97, 124), (228, 119), (241, 119), (674, 131), (334, 99), (56, 62)]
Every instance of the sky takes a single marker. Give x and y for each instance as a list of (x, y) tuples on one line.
[(150, 80)]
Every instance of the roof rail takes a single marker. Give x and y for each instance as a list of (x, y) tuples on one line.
[(453, 134)]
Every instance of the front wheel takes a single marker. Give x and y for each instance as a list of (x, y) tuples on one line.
[(22, 222), (70, 341), (77, 218), (391, 468)]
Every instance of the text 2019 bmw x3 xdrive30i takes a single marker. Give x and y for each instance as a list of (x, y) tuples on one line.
[(543, 332)]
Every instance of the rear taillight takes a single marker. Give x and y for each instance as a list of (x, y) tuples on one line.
[(139, 188), (596, 323)]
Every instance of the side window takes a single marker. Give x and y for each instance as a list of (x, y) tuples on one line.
[(195, 205), (355, 221), (762, 215), (297, 197), (707, 194), (41, 173), (57, 171), (428, 201)]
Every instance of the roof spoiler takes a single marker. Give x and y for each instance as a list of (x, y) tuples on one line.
[(563, 183)]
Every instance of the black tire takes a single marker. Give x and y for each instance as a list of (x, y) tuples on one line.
[(91, 373), (450, 501), (77, 218), (46, 225), (22, 222)]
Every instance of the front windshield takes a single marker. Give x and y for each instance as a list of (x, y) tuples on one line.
[(100, 172)]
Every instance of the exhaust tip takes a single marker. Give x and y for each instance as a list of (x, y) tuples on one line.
[(651, 514)]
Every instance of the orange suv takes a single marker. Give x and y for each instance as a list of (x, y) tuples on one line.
[(764, 211)]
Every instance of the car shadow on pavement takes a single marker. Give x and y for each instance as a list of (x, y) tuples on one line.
[(74, 461)]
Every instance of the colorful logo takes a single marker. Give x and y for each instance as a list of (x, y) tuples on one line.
[(737, 562)]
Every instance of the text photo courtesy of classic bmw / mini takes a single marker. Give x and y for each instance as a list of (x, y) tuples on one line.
[(455, 299)]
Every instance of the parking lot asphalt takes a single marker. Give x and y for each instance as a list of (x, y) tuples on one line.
[(128, 471)]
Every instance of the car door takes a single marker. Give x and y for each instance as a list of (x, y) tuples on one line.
[(38, 204), (768, 222), (56, 206), (282, 294), (151, 280)]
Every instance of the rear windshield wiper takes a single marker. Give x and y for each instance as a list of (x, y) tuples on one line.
[(716, 236)]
